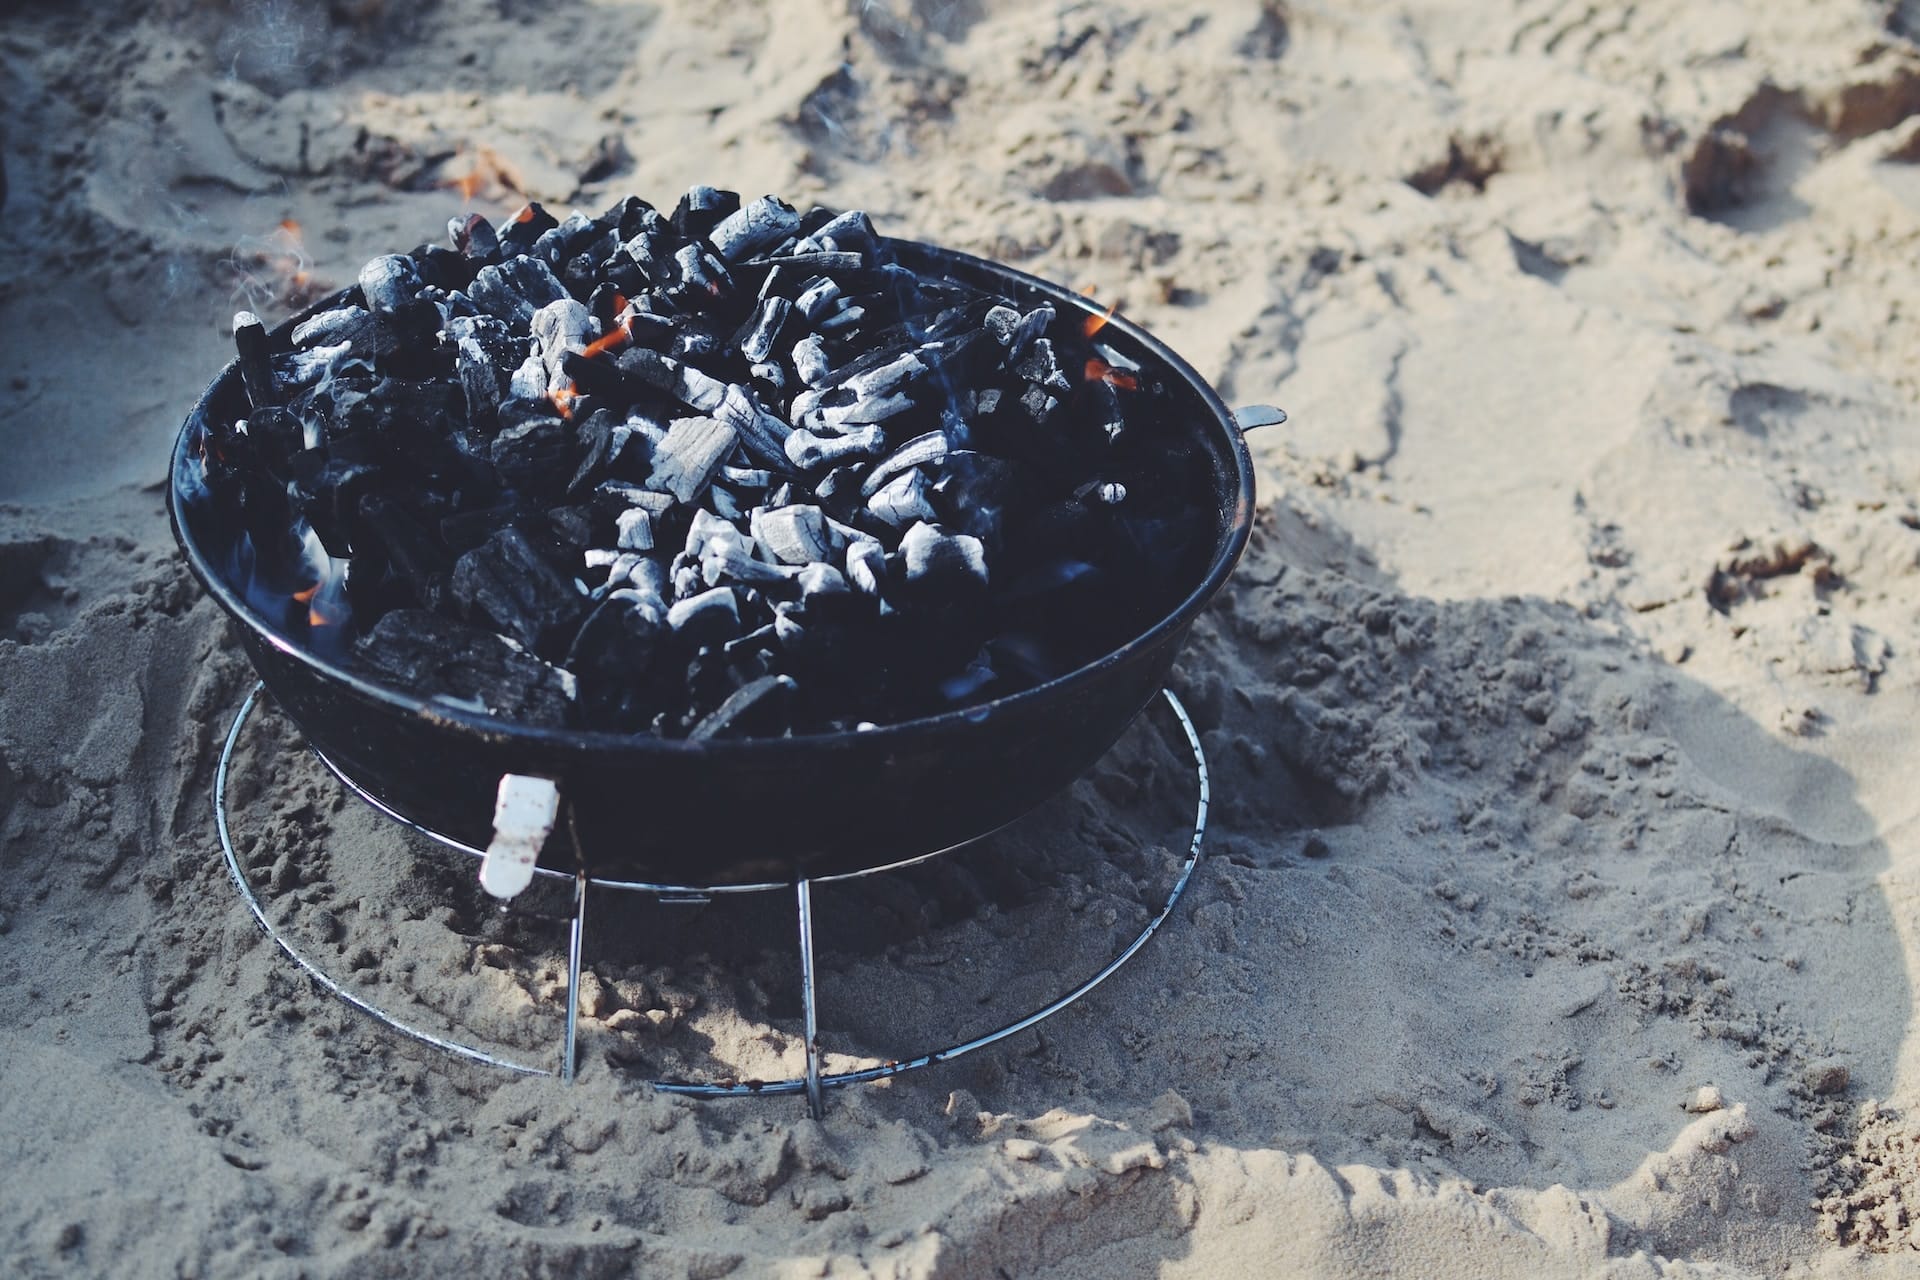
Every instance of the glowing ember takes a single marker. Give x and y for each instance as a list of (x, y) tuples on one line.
[(1099, 370), (563, 398)]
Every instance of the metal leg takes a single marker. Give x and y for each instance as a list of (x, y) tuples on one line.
[(574, 940), (805, 893)]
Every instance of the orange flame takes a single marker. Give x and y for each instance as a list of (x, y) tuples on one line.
[(563, 398), (315, 618), (1095, 324), (619, 336), (1099, 370), (305, 596)]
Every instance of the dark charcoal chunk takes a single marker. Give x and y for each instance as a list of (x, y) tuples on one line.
[(614, 654), (424, 653), (536, 454), (702, 209), (411, 552), (507, 581), (473, 237), (326, 488), (528, 225)]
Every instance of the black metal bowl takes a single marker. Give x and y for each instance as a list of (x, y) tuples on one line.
[(729, 812)]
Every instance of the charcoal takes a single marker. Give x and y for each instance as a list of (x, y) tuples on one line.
[(508, 582), (525, 228), (918, 452), (479, 380), (796, 535), (867, 566), (762, 434), (274, 435), (427, 654), (561, 328), (903, 501), (698, 272), (757, 342), (298, 370), (684, 463), (929, 552), (879, 383), (1032, 325), (808, 451), (1039, 366), (325, 489), (473, 236), (573, 526), (698, 391), (842, 321), (818, 260), (850, 230), (616, 644), (636, 529), (753, 227), (810, 361), (389, 283), (710, 617), (747, 477), (734, 563), (596, 438), (513, 290), (702, 209), (536, 454), (756, 709), (352, 325), (410, 550), (657, 504), (818, 298), (1002, 322), (256, 359)]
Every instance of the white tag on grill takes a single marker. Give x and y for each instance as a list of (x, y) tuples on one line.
[(523, 817)]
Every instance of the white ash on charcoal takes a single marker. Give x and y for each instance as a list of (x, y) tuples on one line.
[(726, 471)]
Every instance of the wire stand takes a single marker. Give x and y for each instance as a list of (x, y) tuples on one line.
[(814, 1082)]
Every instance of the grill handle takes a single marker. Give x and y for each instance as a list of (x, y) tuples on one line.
[(524, 811), (1251, 416)]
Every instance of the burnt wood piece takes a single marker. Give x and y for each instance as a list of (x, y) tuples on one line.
[(508, 582), (439, 658)]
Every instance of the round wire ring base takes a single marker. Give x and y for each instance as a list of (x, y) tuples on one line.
[(731, 1089)]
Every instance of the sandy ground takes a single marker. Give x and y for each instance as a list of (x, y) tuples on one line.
[(1562, 909)]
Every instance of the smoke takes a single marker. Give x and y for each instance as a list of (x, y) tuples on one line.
[(275, 45)]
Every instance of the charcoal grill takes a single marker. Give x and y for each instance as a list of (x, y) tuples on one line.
[(925, 786)]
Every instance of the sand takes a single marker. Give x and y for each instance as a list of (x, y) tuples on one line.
[(1562, 905)]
